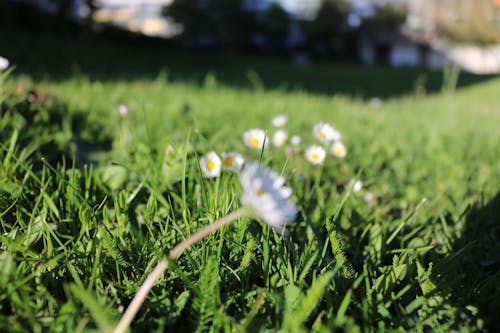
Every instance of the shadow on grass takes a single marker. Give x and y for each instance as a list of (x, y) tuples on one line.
[(113, 55), (468, 278), (48, 131)]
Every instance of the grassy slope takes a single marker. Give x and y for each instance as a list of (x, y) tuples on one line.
[(76, 244)]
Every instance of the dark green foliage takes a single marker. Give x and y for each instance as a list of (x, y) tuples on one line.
[(328, 33), (388, 18), (222, 23)]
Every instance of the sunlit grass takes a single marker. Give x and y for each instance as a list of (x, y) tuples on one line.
[(91, 200)]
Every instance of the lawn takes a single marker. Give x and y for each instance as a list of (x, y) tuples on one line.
[(91, 200)]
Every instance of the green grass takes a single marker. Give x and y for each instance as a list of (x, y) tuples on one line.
[(90, 202)]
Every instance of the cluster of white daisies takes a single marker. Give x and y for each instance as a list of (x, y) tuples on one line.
[(330, 141), (211, 164)]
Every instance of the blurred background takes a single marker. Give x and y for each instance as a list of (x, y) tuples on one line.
[(397, 33)]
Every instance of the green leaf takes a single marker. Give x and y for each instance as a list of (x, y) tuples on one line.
[(426, 284), (346, 269), (50, 203), (99, 312), (383, 311), (114, 176), (391, 275), (7, 267), (172, 168), (313, 297), (293, 295)]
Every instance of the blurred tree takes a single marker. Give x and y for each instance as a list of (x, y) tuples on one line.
[(92, 7), (328, 33), (387, 18), (382, 28), (274, 23), (59, 16), (220, 22)]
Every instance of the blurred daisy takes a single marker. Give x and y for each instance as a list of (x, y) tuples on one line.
[(295, 140), (122, 110), (355, 185), (369, 198), (375, 102), (326, 133), (232, 161), (336, 136), (338, 149), (280, 121), (210, 165), (315, 154), (265, 193), (279, 138), (4, 63), (255, 138)]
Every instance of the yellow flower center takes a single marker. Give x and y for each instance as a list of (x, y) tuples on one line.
[(210, 165), (314, 156), (254, 142), (260, 192), (338, 151), (321, 134), (228, 161)]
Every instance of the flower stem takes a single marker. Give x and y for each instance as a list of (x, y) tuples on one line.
[(175, 253)]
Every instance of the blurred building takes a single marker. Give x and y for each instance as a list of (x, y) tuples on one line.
[(141, 16), (434, 34)]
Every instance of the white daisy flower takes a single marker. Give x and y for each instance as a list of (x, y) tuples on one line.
[(122, 110), (255, 138), (375, 102), (4, 63), (210, 165), (338, 150), (369, 198), (336, 136), (265, 193), (355, 185), (315, 154), (232, 161), (280, 121), (326, 133), (279, 138), (296, 140)]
